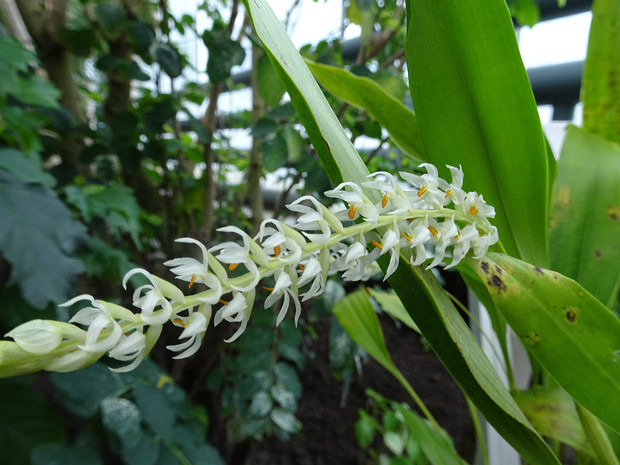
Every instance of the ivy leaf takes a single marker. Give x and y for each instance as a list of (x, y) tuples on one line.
[(168, 58), (275, 152), (111, 18), (38, 236), (224, 53), (269, 85), (121, 417)]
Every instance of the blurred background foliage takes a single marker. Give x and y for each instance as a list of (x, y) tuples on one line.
[(109, 150)]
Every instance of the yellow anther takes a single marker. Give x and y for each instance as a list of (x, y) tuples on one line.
[(448, 193), (222, 301), (302, 268), (179, 322), (433, 231), (268, 288), (351, 212), (473, 210), (232, 266), (192, 281), (384, 200), (406, 236), (277, 250), (458, 235), (421, 191), (376, 244)]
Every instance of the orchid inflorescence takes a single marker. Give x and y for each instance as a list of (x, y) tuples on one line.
[(426, 221)]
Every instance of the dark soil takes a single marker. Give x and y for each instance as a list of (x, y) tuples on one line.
[(328, 438)]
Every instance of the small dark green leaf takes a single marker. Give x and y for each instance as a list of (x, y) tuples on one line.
[(287, 375), (141, 36), (285, 420), (365, 429), (275, 152), (156, 410), (224, 53), (168, 58), (145, 452), (269, 85), (284, 397), (111, 18), (122, 418), (261, 405), (37, 236)]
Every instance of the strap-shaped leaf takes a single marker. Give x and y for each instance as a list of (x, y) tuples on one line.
[(475, 108), (585, 215), (455, 345), (601, 86), (368, 95), (338, 155), (573, 335)]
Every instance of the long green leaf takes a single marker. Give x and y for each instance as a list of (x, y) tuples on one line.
[(453, 342), (601, 86), (585, 215), (437, 448), (364, 93), (571, 334), (475, 108), (338, 155)]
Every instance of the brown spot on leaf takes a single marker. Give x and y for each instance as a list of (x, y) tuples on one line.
[(563, 196), (499, 270), (532, 339), (598, 253), (539, 270), (497, 283), (484, 266), (571, 314), (613, 211)]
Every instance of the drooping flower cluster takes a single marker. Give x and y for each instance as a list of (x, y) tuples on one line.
[(425, 220)]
